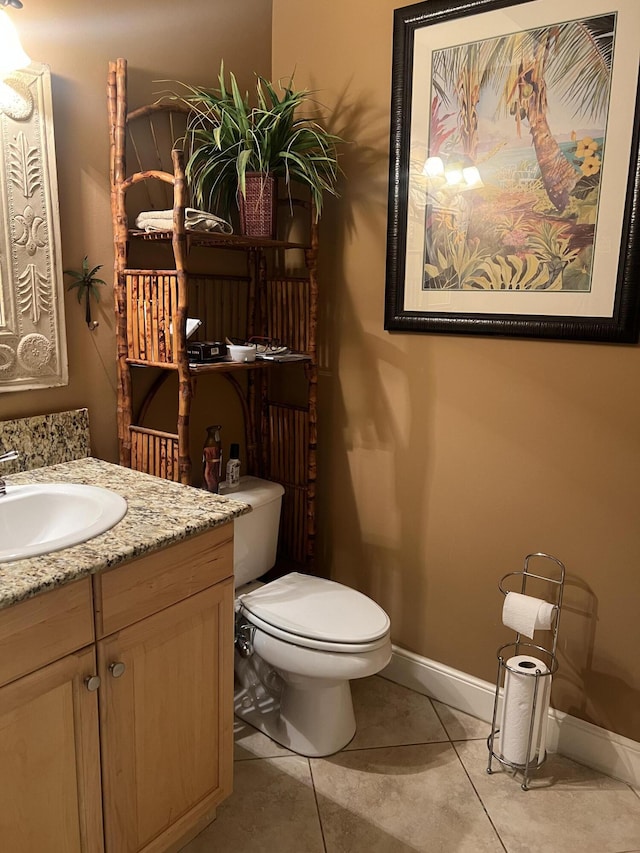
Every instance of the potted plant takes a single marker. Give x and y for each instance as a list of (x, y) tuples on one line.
[(237, 151)]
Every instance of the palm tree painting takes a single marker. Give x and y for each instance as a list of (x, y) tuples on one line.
[(515, 156)]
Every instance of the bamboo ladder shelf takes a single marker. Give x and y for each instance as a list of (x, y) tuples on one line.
[(272, 299)]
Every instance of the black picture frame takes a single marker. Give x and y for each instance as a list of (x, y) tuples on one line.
[(620, 323)]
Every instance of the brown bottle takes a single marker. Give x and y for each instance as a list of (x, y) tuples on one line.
[(212, 459)]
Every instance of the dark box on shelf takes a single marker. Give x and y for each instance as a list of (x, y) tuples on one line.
[(204, 351)]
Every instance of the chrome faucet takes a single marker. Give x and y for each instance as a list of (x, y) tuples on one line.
[(6, 457)]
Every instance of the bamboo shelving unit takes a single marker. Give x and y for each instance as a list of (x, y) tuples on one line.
[(274, 299)]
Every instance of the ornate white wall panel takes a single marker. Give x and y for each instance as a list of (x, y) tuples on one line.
[(33, 349)]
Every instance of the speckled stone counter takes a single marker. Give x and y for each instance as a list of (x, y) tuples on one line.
[(159, 513), (45, 439)]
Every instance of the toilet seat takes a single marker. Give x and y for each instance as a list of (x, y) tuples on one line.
[(316, 613)]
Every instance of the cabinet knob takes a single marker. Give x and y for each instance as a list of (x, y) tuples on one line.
[(92, 682), (117, 669)]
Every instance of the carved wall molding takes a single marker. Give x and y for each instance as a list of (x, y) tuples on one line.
[(33, 348)]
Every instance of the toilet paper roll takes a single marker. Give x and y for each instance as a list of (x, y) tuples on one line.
[(517, 708), (526, 614)]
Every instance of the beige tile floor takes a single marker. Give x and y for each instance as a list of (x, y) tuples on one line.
[(414, 779)]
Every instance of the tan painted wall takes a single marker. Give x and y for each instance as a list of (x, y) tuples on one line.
[(161, 40), (443, 461)]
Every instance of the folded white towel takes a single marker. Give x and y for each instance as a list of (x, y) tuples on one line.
[(154, 214), (195, 220)]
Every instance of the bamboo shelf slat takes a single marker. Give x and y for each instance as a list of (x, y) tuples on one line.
[(226, 366), (295, 542), (287, 311), (288, 444), (155, 452), (219, 241)]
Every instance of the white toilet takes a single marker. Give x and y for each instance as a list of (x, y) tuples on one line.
[(299, 639)]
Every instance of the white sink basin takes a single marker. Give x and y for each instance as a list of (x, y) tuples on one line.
[(44, 517)]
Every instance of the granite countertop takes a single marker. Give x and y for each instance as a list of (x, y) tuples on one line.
[(159, 513)]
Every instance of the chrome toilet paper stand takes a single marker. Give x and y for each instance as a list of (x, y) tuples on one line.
[(547, 654)]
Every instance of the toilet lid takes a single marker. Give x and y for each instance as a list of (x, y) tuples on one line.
[(318, 609)]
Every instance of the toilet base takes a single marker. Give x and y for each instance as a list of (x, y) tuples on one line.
[(311, 716)]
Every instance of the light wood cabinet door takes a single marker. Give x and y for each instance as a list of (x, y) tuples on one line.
[(50, 760), (166, 713)]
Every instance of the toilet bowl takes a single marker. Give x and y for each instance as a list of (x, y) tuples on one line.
[(299, 641)]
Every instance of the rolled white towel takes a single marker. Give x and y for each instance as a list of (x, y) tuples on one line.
[(195, 220), (200, 220)]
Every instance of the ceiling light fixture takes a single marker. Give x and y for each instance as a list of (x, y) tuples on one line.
[(12, 54)]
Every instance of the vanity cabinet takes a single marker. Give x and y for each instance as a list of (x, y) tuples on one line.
[(142, 758), (161, 745), (50, 793), (165, 660), (49, 760)]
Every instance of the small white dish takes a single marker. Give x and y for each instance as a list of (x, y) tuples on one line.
[(242, 353)]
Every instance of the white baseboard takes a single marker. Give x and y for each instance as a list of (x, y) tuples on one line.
[(598, 748)]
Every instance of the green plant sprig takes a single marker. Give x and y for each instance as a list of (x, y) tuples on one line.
[(86, 281)]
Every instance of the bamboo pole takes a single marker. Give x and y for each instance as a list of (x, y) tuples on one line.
[(311, 369), (117, 109), (185, 390)]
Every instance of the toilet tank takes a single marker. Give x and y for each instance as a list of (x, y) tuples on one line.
[(255, 535)]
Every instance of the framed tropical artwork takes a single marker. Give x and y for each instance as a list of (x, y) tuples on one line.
[(514, 170)]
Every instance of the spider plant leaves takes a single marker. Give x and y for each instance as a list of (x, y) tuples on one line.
[(227, 137), (243, 159)]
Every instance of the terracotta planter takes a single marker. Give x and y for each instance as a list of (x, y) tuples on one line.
[(258, 208)]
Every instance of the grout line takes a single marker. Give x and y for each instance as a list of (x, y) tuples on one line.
[(435, 711), (386, 746), (315, 794), (484, 808), (636, 791)]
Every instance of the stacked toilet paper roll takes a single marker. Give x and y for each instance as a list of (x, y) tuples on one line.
[(523, 684), (526, 614)]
